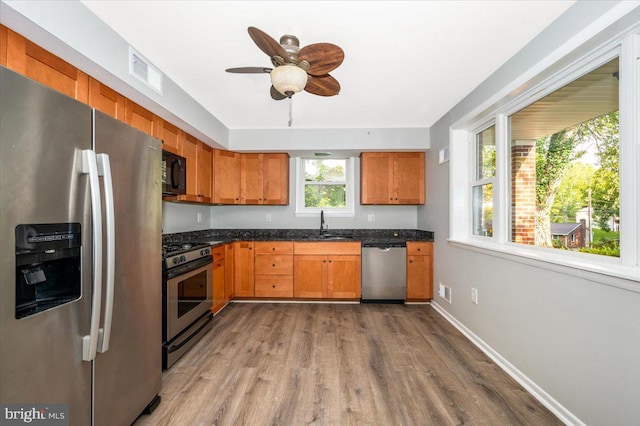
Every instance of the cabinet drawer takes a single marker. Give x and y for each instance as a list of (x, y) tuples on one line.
[(327, 248), (419, 248), (218, 253), (274, 264), (274, 286), (274, 247)]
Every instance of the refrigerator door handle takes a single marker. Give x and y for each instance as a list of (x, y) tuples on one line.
[(90, 167), (104, 334)]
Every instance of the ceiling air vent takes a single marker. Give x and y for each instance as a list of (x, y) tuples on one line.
[(144, 71)]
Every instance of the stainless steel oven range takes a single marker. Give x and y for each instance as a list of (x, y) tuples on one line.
[(186, 298)]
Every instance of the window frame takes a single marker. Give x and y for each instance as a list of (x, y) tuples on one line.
[(348, 211), (475, 181), (625, 46)]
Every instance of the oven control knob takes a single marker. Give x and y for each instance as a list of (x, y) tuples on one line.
[(183, 259), (205, 252), (175, 260)]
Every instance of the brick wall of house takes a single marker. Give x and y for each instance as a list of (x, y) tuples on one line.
[(523, 191)]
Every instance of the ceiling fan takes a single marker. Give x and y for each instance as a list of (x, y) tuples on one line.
[(296, 69)]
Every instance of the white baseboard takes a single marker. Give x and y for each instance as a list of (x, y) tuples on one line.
[(566, 416)]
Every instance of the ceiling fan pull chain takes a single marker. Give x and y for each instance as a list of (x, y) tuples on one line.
[(290, 110)]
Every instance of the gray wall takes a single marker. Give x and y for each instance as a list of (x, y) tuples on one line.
[(576, 338), (182, 217)]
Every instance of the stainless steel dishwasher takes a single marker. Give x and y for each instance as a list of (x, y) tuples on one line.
[(384, 271)]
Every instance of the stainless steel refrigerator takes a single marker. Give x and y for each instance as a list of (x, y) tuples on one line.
[(80, 282)]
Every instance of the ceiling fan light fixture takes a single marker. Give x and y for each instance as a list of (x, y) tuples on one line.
[(288, 79)]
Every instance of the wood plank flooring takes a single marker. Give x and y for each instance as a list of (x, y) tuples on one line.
[(368, 364)]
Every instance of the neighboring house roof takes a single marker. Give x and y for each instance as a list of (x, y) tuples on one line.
[(563, 228)]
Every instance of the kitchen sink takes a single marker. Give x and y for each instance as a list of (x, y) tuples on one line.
[(332, 237)]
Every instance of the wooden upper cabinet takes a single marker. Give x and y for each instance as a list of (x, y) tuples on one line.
[(251, 178), (392, 178), (226, 177), (376, 178), (172, 137), (204, 180), (264, 179), (199, 158), (275, 181), (30, 60), (3, 45), (408, 172), (142, 119), (105, 99)]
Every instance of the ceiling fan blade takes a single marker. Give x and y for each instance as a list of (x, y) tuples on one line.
[(323, 57), (277, 95), (267, 44), (248, 70), (323, 85)]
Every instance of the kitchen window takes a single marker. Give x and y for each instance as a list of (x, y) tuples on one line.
[(325, 184), (564, 151)]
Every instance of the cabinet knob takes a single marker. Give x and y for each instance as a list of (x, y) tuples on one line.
[(419, 249), (324, 261), (273, 248), (273, 286), (329, 261), (274, 265), (411, 261)]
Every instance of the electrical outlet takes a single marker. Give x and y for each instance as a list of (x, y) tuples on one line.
[(372, 218), (268, 217), (474, 295), (199, 217)]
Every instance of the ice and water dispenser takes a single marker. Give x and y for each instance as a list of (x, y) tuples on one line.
[(48, 266)]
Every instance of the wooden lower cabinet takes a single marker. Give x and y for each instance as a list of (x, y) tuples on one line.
[(229, 260), (244, 284), (419, 271), (218, 285), (274, 286), (327, 270), (219, 279), (274, 269)]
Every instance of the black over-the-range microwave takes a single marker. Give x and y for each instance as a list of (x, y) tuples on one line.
[(174, 174)]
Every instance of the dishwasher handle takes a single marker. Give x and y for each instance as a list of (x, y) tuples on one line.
[(385, 245)]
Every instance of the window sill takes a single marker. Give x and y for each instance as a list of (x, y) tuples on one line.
[(599, 269), (327, 213)]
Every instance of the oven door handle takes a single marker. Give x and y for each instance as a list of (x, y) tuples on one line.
[(174, 348)]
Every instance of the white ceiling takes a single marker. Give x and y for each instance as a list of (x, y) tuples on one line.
[(406, 62)]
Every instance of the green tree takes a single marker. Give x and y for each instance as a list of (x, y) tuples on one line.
[(604, 133), (572, 192), (324, 193), (553, 157)]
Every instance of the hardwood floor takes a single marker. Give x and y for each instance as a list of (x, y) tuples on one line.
[(369, 364)]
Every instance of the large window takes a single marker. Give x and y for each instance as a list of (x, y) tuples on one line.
[(325, 184), (564, 156), (550, 172)]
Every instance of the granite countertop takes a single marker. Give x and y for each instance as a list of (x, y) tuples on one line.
[(365, 236)]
